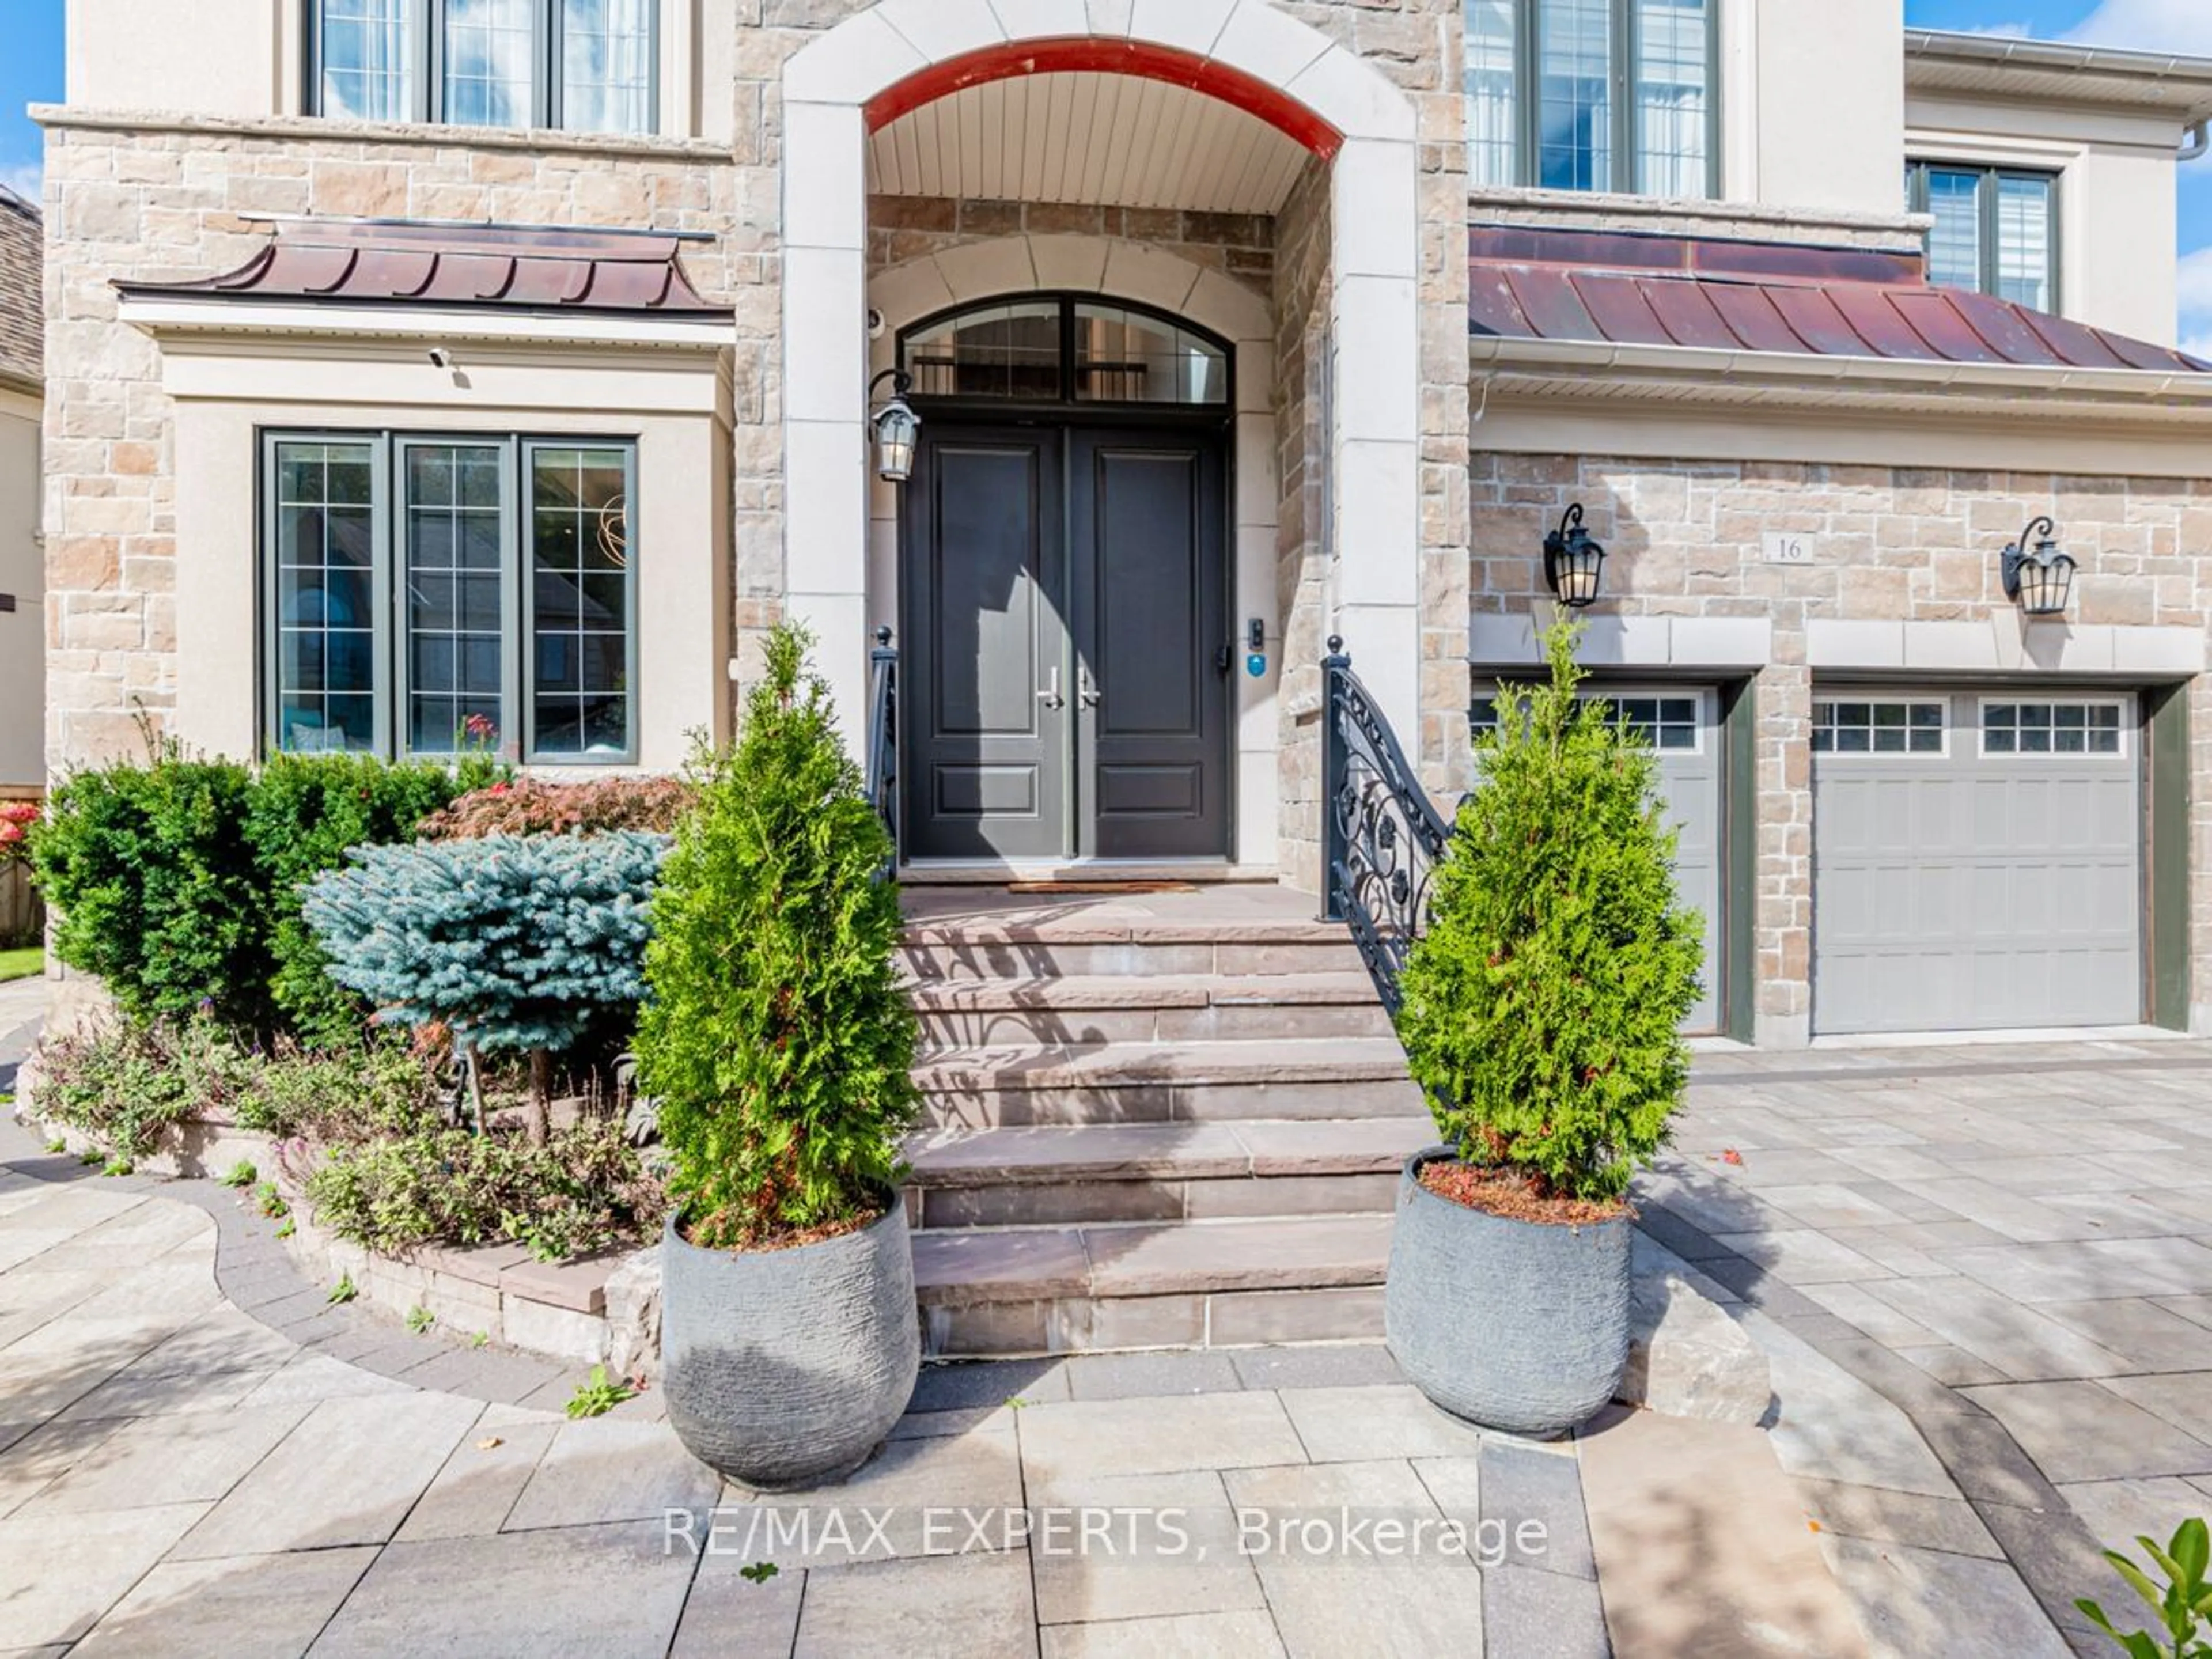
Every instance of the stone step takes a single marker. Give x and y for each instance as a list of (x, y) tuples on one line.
[(1157, 1172), (1097, 1008), (1195, 1284), (1075, 945), (1013, 1085)]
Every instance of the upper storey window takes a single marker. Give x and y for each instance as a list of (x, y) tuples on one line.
[(1995, 230), (584, 65), (1593, 94)]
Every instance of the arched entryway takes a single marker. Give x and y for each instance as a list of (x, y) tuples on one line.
[(906, 62)]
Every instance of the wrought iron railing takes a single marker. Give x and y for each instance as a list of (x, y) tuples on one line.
[(1382, 838), (882, 781)]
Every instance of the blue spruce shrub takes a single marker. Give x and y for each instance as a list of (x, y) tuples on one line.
[(515, 942)]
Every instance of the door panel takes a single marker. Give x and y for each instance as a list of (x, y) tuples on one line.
[(987, 755), (1974, 882), (1146, 513)]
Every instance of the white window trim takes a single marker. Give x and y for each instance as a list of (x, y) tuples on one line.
[(1855, 755), (1982, 704), (1701, 698)]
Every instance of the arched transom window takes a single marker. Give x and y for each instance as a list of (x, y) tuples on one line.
[(1061, 349)]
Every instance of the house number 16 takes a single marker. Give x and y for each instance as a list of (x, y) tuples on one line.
[(1783, 547)]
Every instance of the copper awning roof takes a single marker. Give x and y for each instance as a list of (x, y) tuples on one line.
[(387, 261), (1628, 288)]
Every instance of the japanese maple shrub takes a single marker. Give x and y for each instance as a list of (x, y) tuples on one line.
[(514, 942), (1544, 1002), (775, 1037)]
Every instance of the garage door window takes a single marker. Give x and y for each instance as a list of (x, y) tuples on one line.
[(1670, 725), (2051, 728), (1878, 728)]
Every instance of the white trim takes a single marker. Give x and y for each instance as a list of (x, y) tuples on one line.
[(2004, 643), (431, 325), (1377, 237), (1942, 146), (1703, 699), (1907, 701), (1499, 640), (2036, 696)]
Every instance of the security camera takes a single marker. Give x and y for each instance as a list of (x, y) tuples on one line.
[(441, 358), (876, 324)]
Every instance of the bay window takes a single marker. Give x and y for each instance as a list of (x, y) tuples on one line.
[(1996, 230), (1593, 94), (582, 65), (436, 596)]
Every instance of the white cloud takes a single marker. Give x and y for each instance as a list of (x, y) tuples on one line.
[(23, 178), (2175, 26), (2195, 290)]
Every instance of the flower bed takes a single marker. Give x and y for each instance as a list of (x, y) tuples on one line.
[(598, 1309)]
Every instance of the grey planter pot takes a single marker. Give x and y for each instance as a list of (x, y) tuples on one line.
[(785, 1369), (1510, 1324)]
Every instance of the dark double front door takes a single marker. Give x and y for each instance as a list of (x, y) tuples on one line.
[(1067, 654)]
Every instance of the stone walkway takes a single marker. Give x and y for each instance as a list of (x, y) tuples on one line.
[(178, 1477), (1984, 1278)]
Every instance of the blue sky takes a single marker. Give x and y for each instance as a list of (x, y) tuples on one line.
[(31, 72)]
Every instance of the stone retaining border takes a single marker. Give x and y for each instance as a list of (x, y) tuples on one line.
[(1689, 1358), (498, 1292)]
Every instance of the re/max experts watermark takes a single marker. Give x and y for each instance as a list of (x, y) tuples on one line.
[(801, 1535)]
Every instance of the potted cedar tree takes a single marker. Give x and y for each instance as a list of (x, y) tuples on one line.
[(778, 1043), (1543, 1015)]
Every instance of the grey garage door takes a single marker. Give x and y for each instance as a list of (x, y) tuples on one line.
[(1977, 861), (1682, 723)]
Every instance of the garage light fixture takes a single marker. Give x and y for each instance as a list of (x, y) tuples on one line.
[(2036, 572), (896, 427), (1574, 563)]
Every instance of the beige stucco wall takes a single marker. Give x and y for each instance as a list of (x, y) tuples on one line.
[(215, 57), (2116, 177), (22, 668), (1812, 104)]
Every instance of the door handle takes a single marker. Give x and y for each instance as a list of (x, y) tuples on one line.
[(1087, 688), (1049, 696)]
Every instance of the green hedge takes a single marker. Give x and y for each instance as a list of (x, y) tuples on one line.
[(176, 880)]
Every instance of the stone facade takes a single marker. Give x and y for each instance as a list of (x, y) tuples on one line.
[(1896, 545), (139, 195), (150, 202), (1302, 540)]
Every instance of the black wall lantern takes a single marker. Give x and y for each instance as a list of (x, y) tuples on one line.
[(2036, 572), (1574, 563), (895, 425)]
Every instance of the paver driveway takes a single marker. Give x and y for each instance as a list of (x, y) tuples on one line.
[(1984, 1275), (1984, 1278)]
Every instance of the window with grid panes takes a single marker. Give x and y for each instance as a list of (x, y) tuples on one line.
[(433, 596)]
